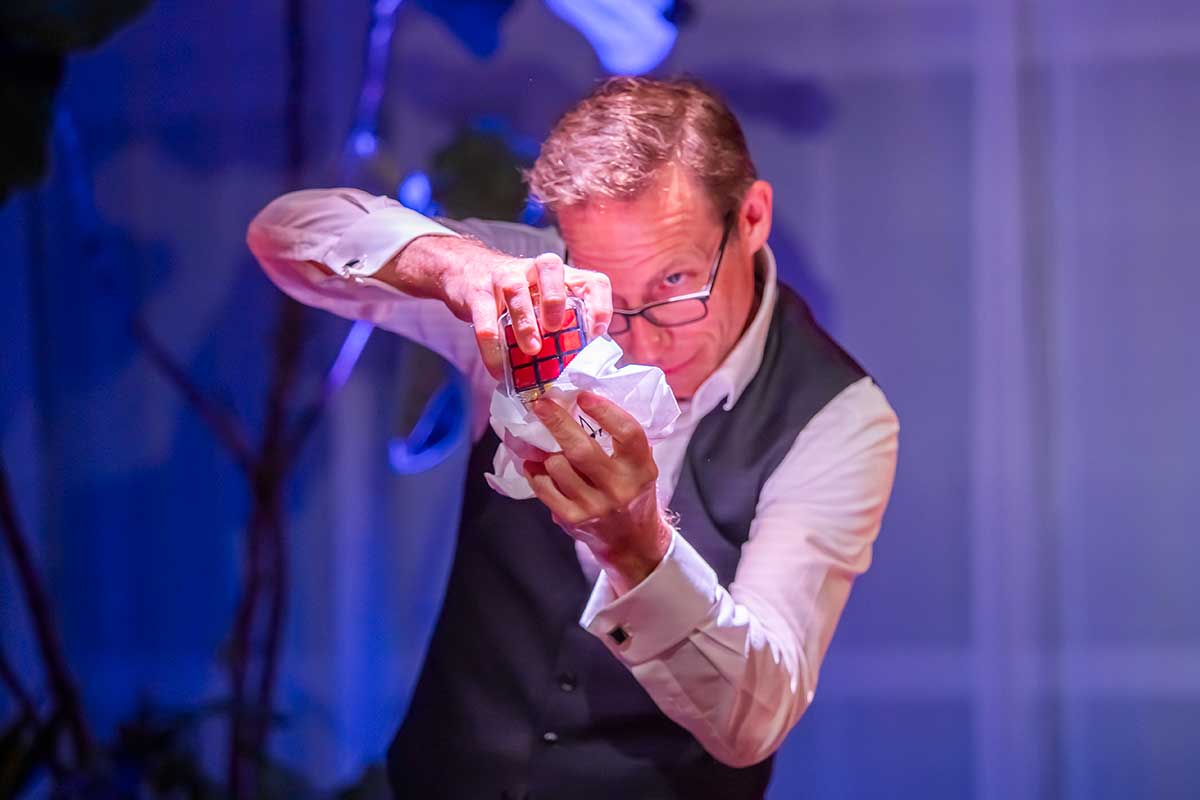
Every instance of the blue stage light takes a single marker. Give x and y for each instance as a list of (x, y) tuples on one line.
[(630, 37), (533, 213), (364, 143), (438, 432), (415, 191), (348, 355)]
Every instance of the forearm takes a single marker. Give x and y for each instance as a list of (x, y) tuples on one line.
[(738, 667), (330, 247), (730, 675), (432, 267), (628, 566), (340, 250), (443, 285), (632, 544)]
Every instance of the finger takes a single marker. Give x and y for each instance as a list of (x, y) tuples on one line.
[(524, 450), (596, 290), (487, 335), (513, 290), (572, 485), (629, 438), (545, 490), (552, 290), (578, 448)]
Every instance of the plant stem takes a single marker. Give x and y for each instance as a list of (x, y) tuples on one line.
[(58, 674)]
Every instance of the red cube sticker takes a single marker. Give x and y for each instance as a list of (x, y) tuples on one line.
[(548, 370), (523, 378), (519, 357), (529, 375), (568, 341)]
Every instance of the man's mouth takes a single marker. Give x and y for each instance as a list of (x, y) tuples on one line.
[(676, 368)]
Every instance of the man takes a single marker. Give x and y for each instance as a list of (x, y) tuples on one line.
[(594, 643)]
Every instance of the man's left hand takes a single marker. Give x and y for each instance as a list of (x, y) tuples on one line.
[(608, 502)]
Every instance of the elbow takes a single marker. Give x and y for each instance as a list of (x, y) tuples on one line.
[(284, 213), (743, 760), (750, 744), (265, 250), (258, 237), (747, 753)]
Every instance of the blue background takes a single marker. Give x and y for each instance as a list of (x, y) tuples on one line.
[(995, 206)]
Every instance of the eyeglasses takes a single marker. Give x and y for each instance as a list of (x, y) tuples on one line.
[(674, 311)]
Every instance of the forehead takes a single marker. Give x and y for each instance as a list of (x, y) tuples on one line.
[(672, 217)]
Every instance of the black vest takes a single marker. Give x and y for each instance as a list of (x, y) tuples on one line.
[(515, 699)]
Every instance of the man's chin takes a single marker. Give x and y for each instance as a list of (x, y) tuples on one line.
[(684, 379), (682, 387)]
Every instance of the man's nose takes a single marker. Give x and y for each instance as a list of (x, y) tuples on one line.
[(645, 341)]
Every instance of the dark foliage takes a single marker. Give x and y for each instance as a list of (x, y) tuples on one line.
[(35, 39)]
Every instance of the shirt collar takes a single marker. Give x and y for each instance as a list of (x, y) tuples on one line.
[(740, 366)]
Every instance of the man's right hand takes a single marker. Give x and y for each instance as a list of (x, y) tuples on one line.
[(477, 284)]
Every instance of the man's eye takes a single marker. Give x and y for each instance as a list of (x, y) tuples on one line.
[(674, 279)]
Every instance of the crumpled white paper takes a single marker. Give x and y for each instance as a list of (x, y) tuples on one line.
[(642, 391)]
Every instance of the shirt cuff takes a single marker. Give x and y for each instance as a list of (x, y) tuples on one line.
[(374, 240), (659, 612)]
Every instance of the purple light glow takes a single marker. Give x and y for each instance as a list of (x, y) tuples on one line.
[(348, 356), (365, 143), (415, 191)]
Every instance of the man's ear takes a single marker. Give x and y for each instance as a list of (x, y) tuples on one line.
[(754, 216)]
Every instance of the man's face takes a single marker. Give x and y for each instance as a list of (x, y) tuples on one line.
[(659, 245)]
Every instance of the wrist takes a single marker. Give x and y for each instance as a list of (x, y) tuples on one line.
[(628, 567), (434, 266)]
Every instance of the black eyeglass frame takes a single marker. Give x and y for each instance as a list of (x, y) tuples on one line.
[(702, 295)]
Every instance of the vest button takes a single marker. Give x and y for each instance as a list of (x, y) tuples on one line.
[(568, 682), (550, 737)]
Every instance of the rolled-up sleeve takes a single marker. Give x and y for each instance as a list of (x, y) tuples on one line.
[(322, 247), (738, 666)]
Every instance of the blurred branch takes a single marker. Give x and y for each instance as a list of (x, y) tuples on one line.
[(274, 532), (306, 424), (24, 700), (58, 675), (239, 657), (224, 425), (267, 541)]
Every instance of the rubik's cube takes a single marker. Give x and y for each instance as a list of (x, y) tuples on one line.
[(528, 376)]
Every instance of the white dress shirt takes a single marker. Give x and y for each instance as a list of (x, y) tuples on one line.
[(737, 665)]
